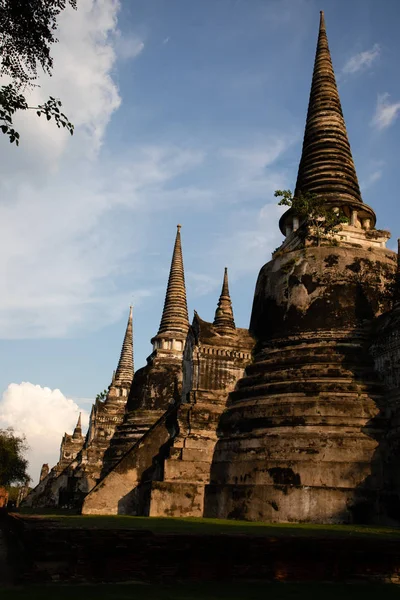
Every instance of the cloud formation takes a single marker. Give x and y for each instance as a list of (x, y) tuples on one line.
[(128, 47), (386, 112), (375, 173), (83, 61), (55, 251), (61, 251), (253, 231), (362, 60), (75, 219), (251, 239), (43, 416)]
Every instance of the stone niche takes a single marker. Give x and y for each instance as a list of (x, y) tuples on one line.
[(299, 440)]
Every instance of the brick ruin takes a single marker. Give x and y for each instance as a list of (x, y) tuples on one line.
[(295, 419), (81, 457)]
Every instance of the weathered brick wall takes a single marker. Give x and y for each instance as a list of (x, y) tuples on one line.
[(308, 419)]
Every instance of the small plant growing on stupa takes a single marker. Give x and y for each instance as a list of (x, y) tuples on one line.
[(318, 220), (102, 396)]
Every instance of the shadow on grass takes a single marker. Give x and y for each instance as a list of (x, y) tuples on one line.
[(208, 526), (248, 591)]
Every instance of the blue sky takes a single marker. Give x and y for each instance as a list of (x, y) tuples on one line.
[(186, 112)]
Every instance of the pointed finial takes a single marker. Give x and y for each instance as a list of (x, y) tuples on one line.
[(78, 427), (179, 227), (326, 166), (175, 316), (322, 21), (124, 372), (225, 285), (224, 313)]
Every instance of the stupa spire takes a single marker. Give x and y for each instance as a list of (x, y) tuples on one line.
[(78, 427), (175, 316), (326, 166), (124, 372), (224, 313)]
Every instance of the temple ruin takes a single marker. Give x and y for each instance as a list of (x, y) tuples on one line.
[(295, 419)]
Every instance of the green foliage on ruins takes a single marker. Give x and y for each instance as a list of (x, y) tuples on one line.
[(13, 464), (318, 220), (102, 396), (27, 31)]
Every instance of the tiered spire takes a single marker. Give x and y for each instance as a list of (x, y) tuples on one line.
[(78, 427), (124, 372), (326, 166), (224, 313), (175, 316)]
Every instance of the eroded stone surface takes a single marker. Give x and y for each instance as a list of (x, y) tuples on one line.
[(168, 465), (307, 417)]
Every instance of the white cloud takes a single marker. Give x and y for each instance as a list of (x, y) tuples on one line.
[(73, 220), (257, 158), (61, 248), (43, 416), (254, 166), (128, 47), (374, 176), (254, 234), (56, 248), (277, 13), (386, 112), (83, 61), (201, 284), (362, 60), (66, 244)]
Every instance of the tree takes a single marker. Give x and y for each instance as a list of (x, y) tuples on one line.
[(318, 220), (27, 31), (102, 396), (13, 465)]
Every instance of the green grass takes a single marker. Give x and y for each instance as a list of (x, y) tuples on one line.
[(46, 511), (213, 526), (217, 591)]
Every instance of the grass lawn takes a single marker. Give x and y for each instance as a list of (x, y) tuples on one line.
[(242, 591), (211, 526)]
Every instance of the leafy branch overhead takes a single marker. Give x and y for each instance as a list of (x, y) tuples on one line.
[(11, 101), (317, 218), (27, 31)]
